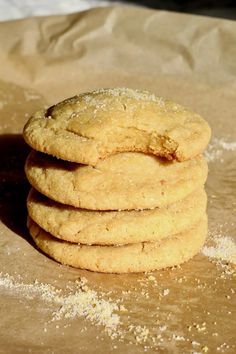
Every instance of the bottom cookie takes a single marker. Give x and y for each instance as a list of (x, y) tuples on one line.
[(139, 257)]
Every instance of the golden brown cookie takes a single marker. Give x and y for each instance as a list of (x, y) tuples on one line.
[(115, 227), (97, 124), (139, 257), (122, 181)]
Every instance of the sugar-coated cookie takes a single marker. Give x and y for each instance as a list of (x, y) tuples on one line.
[(97, 124), (115, 227), (123, 181), (137, 257)]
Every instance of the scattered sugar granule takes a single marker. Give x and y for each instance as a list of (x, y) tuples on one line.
[(216, 149), (83, 302), (224, 249), (178, 338), (30, 96), (200, 327), (122, 308), (162, 328), (166, 292), (140, 332), (195, 343)]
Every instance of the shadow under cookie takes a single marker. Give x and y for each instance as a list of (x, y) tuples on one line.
[(14, 186)]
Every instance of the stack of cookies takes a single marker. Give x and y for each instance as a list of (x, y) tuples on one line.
[(118, 181)]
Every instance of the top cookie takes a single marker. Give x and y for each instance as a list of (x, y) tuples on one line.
[(98, 124)]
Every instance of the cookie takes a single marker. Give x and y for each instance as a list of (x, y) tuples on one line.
[(97, 124), (115, 227), (138, 257), (122, 181)]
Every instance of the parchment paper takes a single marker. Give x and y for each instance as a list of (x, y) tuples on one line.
[(190, 59)]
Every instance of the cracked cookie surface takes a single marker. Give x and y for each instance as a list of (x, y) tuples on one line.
[(137, 257), (115, 227), (95, 125), (123, 181)]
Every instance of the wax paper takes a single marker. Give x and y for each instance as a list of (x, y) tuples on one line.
[(188, 309)]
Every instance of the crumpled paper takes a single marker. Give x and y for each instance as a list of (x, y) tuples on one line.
[(190, 59)]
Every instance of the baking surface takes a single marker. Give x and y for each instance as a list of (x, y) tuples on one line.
[(49, 308)]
